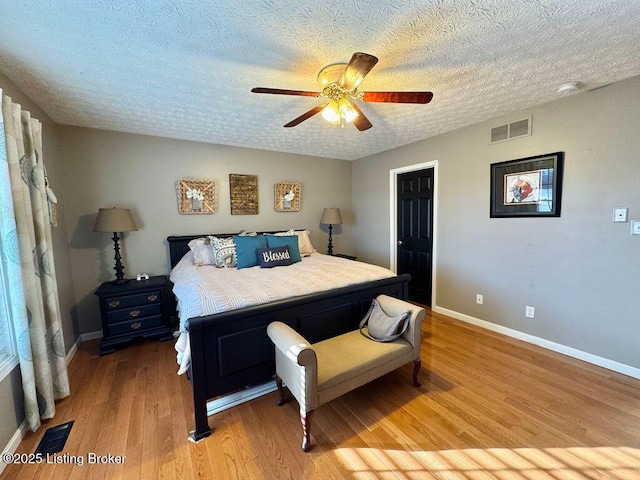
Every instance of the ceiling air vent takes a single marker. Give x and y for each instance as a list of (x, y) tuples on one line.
[(519, 128)]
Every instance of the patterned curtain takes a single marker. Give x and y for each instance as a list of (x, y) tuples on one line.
[(25, 244)]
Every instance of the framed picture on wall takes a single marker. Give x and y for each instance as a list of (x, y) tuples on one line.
[(527, 187)]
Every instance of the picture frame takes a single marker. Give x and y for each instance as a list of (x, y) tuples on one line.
[(527, 187), (287, 197), (196, 197), (243, 191)]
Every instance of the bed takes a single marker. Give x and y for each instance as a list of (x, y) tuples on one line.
[(230, 350)]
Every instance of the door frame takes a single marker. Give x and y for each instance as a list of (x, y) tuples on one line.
[(393, 218)]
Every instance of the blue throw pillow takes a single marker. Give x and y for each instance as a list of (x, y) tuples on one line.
[(274, 257), (290, 241), (246, 250)]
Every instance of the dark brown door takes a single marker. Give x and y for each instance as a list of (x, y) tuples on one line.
[(415, 232)]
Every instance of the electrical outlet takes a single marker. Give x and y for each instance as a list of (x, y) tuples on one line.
[(635, 227), (479, 299), (529, 312)]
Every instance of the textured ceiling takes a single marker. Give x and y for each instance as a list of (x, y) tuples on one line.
[(184, 69)]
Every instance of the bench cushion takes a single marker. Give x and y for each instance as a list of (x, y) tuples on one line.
[(345, 360)]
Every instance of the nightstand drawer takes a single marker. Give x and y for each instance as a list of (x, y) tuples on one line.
[(133, 313), (133, 326), (125, 301)]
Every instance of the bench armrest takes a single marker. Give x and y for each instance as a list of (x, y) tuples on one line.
[(292, 344), (296, 364)]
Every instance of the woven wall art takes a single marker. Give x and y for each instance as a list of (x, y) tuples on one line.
[(196, 196), (287, 197)]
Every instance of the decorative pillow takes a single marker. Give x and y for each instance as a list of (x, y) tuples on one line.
[(223, 251), (304, 243), (246, 247), (244, 233), (201, 251), (283, 234), (280, 241), (274, 257)]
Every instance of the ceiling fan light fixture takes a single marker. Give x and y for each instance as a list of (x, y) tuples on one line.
[(347, 112), (331, 113), (339, 83)]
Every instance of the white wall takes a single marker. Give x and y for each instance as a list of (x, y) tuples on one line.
[(105, 169), (580, 271)]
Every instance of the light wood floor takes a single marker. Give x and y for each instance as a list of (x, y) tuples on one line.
[(489, 407)]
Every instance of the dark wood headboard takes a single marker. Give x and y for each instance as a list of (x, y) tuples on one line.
[(179, 244)]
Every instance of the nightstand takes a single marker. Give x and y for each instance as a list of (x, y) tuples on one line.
[(134, 309), (342, 255)]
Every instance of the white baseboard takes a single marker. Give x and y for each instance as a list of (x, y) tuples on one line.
[(541, 342), (83, 337), (14, 443)]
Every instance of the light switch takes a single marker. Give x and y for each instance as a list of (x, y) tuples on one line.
[(635, 227), (620, 215)]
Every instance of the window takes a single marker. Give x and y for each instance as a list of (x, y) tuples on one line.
[(8, 356)]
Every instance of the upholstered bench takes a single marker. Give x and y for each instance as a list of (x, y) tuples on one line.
[(316, 374)]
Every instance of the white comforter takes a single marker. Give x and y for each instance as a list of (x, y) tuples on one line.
[(205, 290)]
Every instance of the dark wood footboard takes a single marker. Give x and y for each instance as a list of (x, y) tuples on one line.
[(231, 350)]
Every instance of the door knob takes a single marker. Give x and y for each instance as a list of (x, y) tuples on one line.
[(399, 242)]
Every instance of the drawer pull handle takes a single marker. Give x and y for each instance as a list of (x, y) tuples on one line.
[(134, 313), (136, 325), (152, 298), (114, 303)]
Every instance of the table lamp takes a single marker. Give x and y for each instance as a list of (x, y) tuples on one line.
[(115, 220), (331, 217)]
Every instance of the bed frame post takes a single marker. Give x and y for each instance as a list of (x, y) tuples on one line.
[(198, 384)]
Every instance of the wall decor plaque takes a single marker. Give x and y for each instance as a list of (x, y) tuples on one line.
[(196, 196), (287, 197), (243, 190)]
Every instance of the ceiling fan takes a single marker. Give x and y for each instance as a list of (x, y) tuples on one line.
[(339, 83)]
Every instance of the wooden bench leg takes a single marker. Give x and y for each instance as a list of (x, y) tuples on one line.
[(417, 363), (305, 418), (281, 400)]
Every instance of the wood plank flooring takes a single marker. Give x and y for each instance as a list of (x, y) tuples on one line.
[(489, 407)]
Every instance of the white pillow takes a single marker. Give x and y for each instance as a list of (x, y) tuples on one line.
[(201, 251), (283, 234), (304, 243)]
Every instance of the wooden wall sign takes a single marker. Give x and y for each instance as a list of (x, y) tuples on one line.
[(243, 190)]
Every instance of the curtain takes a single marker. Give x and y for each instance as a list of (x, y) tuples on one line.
[(26, 245)]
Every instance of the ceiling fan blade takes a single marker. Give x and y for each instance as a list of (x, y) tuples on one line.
[(361, 122), (304, 116), (359, 65), (279, 91), (397, 97)]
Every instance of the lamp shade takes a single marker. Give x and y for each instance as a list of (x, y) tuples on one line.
[(114, 220), (331, 216)]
